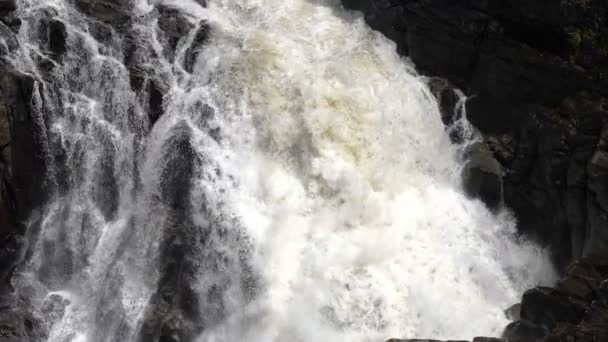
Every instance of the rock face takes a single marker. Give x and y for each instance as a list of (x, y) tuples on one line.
[(535, 72), (22, 159), (576, 310), (30, 170)]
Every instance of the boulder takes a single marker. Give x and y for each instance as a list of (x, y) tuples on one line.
[(576, 310), (523, 331), (482, 176), (513, 313), (546, 308)]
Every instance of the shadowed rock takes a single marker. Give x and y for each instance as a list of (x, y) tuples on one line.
[(482, 176), (201, 36)]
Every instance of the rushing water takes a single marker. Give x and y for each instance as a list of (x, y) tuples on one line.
[(300, 185)]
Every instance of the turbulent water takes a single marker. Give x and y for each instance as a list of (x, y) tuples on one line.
[(299, 185)]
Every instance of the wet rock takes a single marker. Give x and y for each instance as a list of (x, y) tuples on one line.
[(8, 42), (575, 311), (520, 62), (546, 308), (523, 331), (418, 340), (105, 10), (514, 312), (6, 7), (179, 162), (192, 52), (106, 188), (29, 144), (173, 311), (156, 95), (53, 308), (57, 38), (175, 26), (18, 326), (447, 97), (482, 176)]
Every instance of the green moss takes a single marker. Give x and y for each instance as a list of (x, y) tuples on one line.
[(580, 35), (584, 36)]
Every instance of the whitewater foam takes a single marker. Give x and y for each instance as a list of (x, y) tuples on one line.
[(321, 158)]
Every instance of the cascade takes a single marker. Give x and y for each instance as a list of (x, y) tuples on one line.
[(252, 170)]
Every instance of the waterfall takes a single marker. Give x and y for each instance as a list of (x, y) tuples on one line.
[(251, 170)]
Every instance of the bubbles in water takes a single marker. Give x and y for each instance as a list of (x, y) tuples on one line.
[(296, 182)]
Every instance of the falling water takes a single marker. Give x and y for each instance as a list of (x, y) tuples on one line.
[(272, 172)]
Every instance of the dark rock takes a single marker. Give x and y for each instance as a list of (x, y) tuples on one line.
[(57, 38), (174, 26), (6, 7), (452, 106), (106, 192), (523, 331), (514, 312), (179, 162), (10, 44), (155, 102), (448, 99), (546, 307), (567, 333), (576, 311), (29, 145), (418, 340), (200, 38), (489, 339), (105, 10), (482, 176)]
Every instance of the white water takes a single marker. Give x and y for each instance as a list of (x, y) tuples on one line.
[(333, 160)]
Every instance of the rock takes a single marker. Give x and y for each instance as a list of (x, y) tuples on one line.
[(174, 27), (482, 176), (53, 308), (489, 339), (57, 38), (523, 331), (448, 99), (546, 308), (6, 7), (577, 310), (24, 162), (518, 61), (155, 101), (116, 11), (191, 54), (18, 326), (514, 312), (452, 105), (8, 42), (19, 96), (418, 340), (179, 162)]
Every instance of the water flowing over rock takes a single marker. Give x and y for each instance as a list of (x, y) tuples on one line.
[(535, 73), (222, 171)]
